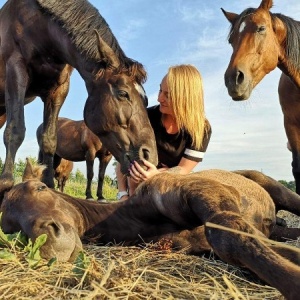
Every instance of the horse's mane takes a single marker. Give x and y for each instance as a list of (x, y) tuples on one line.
[(79, 19), (292, 43)]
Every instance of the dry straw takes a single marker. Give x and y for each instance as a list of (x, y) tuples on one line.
[(116, 272)]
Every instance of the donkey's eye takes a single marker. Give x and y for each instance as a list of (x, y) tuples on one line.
[(261, 29), (123, 94)]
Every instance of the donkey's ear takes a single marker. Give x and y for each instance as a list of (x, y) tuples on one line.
[(266, 4), (106, 54), (231, 17)]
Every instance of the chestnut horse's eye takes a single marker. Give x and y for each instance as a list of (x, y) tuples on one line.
[(261, 29), (41, 187)]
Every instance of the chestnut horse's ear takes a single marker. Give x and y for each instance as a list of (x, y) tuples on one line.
[(266, 4), (106, 53), (231, 17)]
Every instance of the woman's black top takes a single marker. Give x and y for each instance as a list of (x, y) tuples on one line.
[(172, 147)]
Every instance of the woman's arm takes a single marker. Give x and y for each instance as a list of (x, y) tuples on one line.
[(138, 174)]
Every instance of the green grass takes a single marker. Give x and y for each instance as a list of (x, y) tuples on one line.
[(76, 188)]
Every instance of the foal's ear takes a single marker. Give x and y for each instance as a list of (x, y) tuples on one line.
[(32, 172), (231, 17), (106, 53), (266, 4)]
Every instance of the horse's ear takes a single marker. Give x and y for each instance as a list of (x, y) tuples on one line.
[(266, 4), (106, 53), (231, 17)]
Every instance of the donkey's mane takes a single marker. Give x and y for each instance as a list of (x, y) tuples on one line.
[(79, 19), (292, 42)]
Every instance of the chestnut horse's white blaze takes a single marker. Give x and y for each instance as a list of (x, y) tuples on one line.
[(242, 27)]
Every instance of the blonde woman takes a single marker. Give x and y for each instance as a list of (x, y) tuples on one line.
[(181, 129)]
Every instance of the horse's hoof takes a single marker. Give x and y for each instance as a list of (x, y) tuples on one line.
[(102, 200)]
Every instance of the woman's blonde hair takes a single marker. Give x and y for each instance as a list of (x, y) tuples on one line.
[(186, 94)]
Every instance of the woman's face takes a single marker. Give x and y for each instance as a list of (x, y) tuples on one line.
[(164, 99)]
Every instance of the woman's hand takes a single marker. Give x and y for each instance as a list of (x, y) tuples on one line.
[(138, 174)]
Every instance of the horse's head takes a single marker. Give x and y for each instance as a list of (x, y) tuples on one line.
[(35, 209), (255, 38), (116, 111)]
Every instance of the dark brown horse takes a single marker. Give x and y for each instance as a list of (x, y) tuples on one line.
[(173, 207), (76, 142), (261, 42), (62, 172), (41, 42)]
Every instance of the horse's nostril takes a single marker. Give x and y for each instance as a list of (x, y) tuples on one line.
[(129, 158), (146, 154), (239, 77)]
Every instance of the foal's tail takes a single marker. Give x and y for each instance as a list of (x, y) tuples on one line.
[(283, 197)]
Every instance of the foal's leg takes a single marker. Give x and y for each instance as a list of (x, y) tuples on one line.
[(89, 176), (247, 251), (191, 241), (283, 197)]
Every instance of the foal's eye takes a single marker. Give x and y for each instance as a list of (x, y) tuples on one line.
[(123, 94), (41, 187), (261, 29)]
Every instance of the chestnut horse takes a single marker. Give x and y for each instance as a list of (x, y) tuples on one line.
[(76, 142), (184, 209), (62, 172), (41, 42), (262, 41)]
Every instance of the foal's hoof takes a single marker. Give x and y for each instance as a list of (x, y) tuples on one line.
[(281, 222)]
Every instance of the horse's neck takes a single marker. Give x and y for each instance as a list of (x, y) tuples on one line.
[(288, 63)]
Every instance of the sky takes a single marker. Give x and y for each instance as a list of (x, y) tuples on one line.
[(158, 34)]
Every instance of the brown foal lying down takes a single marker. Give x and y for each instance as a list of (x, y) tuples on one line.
[(173, 207)]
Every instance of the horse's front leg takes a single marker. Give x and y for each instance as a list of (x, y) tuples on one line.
[(53, 102), (14, 133), (289, 96)]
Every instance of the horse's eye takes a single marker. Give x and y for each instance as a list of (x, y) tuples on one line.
[(123, 94), (41, 187), (261, 29)]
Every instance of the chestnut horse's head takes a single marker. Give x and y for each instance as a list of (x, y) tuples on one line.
[(256, 37), (116, 110)]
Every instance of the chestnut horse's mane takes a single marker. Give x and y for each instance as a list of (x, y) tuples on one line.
[(292, 42), (79, 19)]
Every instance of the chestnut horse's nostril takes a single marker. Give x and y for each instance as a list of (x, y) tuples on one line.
[(239, 77)]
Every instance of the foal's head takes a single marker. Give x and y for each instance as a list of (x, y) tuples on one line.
[(35, 209), (256, 37)]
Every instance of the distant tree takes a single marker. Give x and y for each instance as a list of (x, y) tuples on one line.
[(79, 176), (289, 184)]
